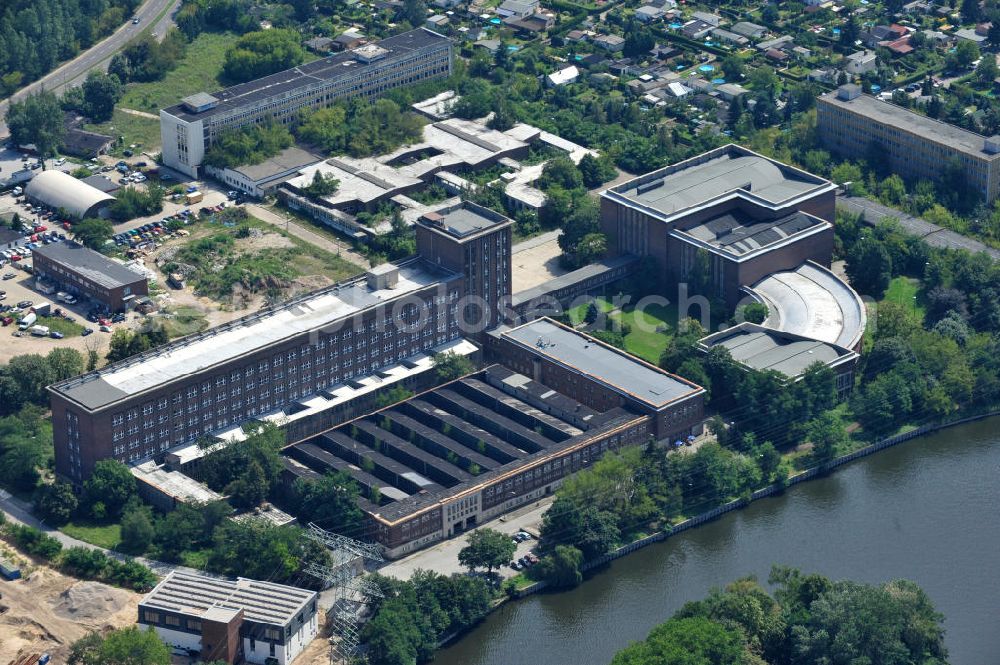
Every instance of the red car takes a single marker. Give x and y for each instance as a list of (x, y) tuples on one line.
[(40, 228), (15, 257), (104, 322), (66, 225), (7, 320)]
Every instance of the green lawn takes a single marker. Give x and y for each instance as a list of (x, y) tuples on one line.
[(59, 324), (197, 72), (652, 330), (108, 536), (905, 291), (143, 132), (576, 314)]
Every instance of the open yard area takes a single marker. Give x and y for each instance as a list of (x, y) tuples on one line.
[(242, 262), (138, 130), (198, 71), (648, 332), (46, 611)]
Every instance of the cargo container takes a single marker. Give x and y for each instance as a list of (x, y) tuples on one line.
[(194, 197)]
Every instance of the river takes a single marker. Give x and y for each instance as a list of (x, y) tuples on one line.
[(925, 510)]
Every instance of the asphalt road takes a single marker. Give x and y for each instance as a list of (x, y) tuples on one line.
[(75, 71)]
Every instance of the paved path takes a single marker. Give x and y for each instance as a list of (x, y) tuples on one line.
[(141, 114), (934, 235), (303, 233), (73, 72), (17, 510)]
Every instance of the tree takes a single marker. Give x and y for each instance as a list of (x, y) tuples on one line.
[(257, 54), (987, 69), (32, 373), (686, 641), (37, 120), (487, 549), (100, 94), (321, 185), (966, 51), (414, 12), (450, 366), (65, 363), (732, 68), (869, 267), (55, 503), (248, 145), (137, 528), (970, 11), (596, 171), (330, 502), (125, 646), (562, 172), (755, 312), (561, 569), (93, 233), (111, 484), (250, 489)]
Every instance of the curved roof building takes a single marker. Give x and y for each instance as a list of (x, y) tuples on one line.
[(58, 190)]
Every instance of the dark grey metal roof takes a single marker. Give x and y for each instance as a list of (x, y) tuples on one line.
[(738, 233), (601, 362), (328, 69), (93, 265)]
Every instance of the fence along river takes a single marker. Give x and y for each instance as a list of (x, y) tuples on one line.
[(925, 510)]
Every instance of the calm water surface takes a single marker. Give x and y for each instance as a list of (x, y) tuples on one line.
[(926, 510)]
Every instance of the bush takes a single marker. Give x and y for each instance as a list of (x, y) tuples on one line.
[(55, 503), (35, 542)]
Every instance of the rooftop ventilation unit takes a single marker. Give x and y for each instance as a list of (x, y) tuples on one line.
[(991, 146)]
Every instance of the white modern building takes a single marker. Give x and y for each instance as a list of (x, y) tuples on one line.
[(188, 129), (233, 621)]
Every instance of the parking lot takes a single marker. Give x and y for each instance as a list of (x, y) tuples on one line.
[(21, 288), (12, 161), (443, 557)]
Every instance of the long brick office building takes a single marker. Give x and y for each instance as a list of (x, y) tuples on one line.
[(456, 456), (189, 128), (307, 354)]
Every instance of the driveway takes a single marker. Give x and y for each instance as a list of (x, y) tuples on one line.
[(154, 16)]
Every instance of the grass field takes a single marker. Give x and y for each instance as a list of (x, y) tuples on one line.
[(143, 132), (185, 321), (905, 291), (197, 72), (108, 536), (652, 330), (59, 324)]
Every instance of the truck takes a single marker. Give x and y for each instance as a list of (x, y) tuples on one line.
[(40, 331), (42, 308), (27, 321), (194, 197)]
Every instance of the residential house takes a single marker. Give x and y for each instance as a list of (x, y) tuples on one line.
[(713, 20), (518, 8), (319, 44), (860, 63), (749, 30), (696, 29), (649, 13), (730, 37), (611, 43), (564, 76)]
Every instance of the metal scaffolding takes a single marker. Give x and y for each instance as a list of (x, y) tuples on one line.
[(351, 591)]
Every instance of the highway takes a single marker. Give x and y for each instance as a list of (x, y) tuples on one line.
[(99, 55)]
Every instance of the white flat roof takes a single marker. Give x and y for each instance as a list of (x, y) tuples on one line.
[(813, 302), (228, 342)]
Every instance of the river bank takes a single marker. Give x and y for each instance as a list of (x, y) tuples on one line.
[(504, 638)]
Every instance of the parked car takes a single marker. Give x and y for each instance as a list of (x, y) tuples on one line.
[(55, 334), (87, 331), (105, 328)]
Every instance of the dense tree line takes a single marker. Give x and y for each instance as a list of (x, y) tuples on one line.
[(262, 52), (147, 59), (359, 127), (124, 646), (82, 562), (131, 202), (197, 16), (25, 432), (248, 145), (36, 35), (926, 364), (809, 619), (408, 624)]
